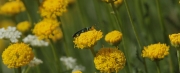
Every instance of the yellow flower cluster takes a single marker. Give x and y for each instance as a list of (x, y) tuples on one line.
[(87, 39), (17, 55), (77, 71), (48, 29), (175, 39), (53, 8), (12, 7), (114, 37), (23, 26), (109, 60), (155, 51), (118, 3)]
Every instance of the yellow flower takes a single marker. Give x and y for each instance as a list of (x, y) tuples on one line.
[(87, 39), (155, 51), (114, 37), (47, 29), (109, 60), (17, 55), (175, 39), (12, 7), (77, 71), (53, 8), (118, 3), (58, 35), (24, 26)]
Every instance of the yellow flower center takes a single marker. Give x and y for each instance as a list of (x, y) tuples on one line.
[(12, 7), (24, 26), (175, 39), (48, 29), (113, 37), (17, 55), (155, 51), (87, 39), (109, 60)]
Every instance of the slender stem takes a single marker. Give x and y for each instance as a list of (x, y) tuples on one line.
[(1, 70), (57, 62), (178, 56), (119, 25), (19, 69), (158, 67), (163, 31), (64, 39), (135, 32), (116, 16), (26, 71), (14, 70), (92, 51)]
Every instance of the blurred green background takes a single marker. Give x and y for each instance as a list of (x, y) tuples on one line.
[(86, 13)]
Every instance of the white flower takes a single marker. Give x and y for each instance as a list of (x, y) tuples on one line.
[(35, 62), (78, 67), (69, 62), (34, 41), (10, 33)]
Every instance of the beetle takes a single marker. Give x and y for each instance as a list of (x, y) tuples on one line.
[(82, 30)]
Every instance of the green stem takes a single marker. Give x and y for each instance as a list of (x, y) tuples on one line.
[(26, 71), (57, 62), (135, 32), (163, 31), (116, 16), (178, 56), (64, 39), (92, 51), (1, 70), (158, 67), (119, 25), (19, 69), (14, 70)]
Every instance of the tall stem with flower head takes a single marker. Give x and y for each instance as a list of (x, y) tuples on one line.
[(135, 32), (163, 30), (119, 25)]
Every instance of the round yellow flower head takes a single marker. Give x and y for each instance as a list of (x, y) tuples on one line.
[(12, 7), (175, 39), (118, 3), (87, 39), (114, 37), (58, 35), (23, 26), (109, 60), (77, 71), (53, 8), (155, 51), (17, 55), (47, 29)]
